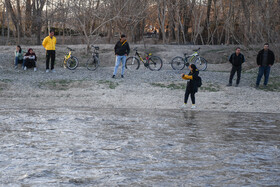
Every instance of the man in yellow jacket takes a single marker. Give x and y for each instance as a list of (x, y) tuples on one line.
[(49, 44)]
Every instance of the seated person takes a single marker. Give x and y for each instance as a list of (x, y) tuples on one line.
[(18, 56), (29, 60)]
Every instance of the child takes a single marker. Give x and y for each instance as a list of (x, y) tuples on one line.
[(29, 60), (18, 56), (192, 87)]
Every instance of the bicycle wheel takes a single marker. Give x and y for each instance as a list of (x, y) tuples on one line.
[(201, 64), (155, 63), (92, 63), (132, 63), (178, 63), (72, 63)]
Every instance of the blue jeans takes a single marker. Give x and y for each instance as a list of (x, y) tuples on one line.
[(16, 61), (23, 63), (120, 59), (263, 70)]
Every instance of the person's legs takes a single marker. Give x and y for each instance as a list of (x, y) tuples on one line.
[(16, 61), (193, 98), (23, 63), (239, 69), (47, 60), (260, 74), (187, 93), (118, 61), (266, 74), (33, 63), (123, 64), (232, 73), (52, 59)]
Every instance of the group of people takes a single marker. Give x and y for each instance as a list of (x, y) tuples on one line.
[(265, 60), (29, 59)]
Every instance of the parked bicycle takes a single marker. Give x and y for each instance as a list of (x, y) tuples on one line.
[(93, 62), (178, 63), (154, 63), (70, 61)]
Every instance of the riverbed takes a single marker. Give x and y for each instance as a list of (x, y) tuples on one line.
[(85, 146)]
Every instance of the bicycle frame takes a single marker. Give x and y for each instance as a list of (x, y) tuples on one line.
[(192, 57), (67, 56), (147, 57), (95, 52)]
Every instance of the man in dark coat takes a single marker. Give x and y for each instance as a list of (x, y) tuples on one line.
[(122, 50), (236, 59), (265, 60)]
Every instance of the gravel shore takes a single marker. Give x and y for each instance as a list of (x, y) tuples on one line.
[(139, 89)]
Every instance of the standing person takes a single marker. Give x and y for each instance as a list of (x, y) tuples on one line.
[(18, 56), (49, 44), (29, 60), (236, 59), (122, 50), (265, 60), (192, 86)]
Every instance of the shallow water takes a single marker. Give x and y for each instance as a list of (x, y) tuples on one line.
[(111, 147)]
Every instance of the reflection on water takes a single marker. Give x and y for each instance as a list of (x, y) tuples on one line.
[(69, 147)]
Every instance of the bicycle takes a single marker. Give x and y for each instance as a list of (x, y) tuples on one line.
[(154, 63), (178, 63), (93, 62), (70, 61)]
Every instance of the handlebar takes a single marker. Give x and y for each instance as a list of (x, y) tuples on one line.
[(70, 49), (195, 50), (95, 47)]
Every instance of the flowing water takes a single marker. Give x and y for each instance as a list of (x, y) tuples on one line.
[(138, 147)]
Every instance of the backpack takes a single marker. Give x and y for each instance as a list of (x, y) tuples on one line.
[(199, 81)]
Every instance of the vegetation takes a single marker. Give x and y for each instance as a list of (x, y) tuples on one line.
[(166, 21), (110, 84), (273, 85), (208, 87), (59, 84)]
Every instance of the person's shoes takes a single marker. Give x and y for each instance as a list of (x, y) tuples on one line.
[(35, 69), (113, 76), (193, 107), (236, 85), (47, 71), (184, 106), (229, 84), (257, 86), (122, 76), (25, 68), (53, 71), (16, 67)]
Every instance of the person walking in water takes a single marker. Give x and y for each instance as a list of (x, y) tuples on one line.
[(49, 44), (265, 60), (192, 86), (122, 50), (236, 59)]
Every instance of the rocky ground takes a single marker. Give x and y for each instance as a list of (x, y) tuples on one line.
[(139, 89)]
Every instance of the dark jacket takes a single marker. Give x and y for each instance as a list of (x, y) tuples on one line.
[(270, 57), (122, 49), (32, 56), (192, 83), (237, 60)]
